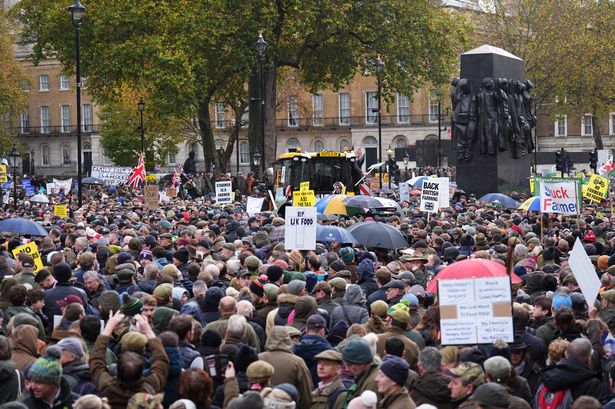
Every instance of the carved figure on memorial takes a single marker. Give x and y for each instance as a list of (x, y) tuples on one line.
[(528, 103), (454, 91), (487, 117), (464, 120), (516, 134), (504, 119), (524, 125)]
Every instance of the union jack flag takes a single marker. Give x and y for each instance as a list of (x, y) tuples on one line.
[(138, 174), (158, 168), (175, 180)]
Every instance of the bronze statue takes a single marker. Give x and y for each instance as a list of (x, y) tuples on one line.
[(487, 118), (516, 134), (504, 120), (464, 121)]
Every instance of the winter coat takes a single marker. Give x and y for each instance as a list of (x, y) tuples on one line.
[(320, 397), (242, 381), (432, 388), (286, 305), (10, 382), (365, 277), (289, 368), (147, 286), (366, 381), (77, 374), (304, 307), (352, 309), (188, 354), (13, 310), (328, 305), (379, 294), (63, 401), (117, 394), (608, 316), (307, 348), (250, 337), (192, 308), (172, 383), (411, 350), (25, 349), (397, 400), (59, 292), (568, 374)]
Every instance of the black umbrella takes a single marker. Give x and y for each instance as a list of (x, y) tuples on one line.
[(362, 201), (376, 234)]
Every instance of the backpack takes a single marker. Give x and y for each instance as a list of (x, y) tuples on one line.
[(334, 395), (545, 399), (341, 327)]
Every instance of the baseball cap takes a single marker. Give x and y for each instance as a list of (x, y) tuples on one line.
[(316, 321), (470, 372), (70, 299), (71, 344)]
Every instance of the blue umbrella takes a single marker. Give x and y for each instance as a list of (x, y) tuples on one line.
[(22, 226), (417, 181), (506, 201), (327, 233)]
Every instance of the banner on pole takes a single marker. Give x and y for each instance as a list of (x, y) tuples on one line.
[(112, 175), (560, 195)]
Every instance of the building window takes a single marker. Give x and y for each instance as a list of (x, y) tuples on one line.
[(370, 141), (345, 144), (43, 82), (245, 119), (319, 145), (88, 119), (25, 122), (433, 108), (400, 142), (293, 119), (587, 128), (65, 117), (561, 125), (64, 83), (44, 119), (344, 102), (292, 144), (220, 112), (107, 160), (65, 155), (318, 110), (45, 156), (244, 153), (371, 108), (172, 159), (403, 109), (612, 123)]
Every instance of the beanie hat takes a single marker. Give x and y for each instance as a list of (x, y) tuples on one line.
[(131, 306), (589, 237), (274, 273), (211, 338), (290, 389), (133, 341), (244, 357), (395, 368), (347, 254), (258, 285), (182, 255), (47, 369), (62, 272), (357, 351), (123, 257), (561, 300)]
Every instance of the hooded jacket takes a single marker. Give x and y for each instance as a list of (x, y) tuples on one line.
[(568, 374), (289, 368), (78, 376), (365, 276), (304, 307), (351, 309), (161, 318), (9, 382), (286, 304), (308, 348), (64, 399), (25, 351), (432, 388)]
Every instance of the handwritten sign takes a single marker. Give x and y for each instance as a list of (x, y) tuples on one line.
[(404, 192), (304, 198), (224, 192), (475, 310), (254, 205), (112, 175), (596, 188), (300, 228), (171, 192), (32, 250), (60, 211), (303, 186), (560, 195), (3, 175), (151, 197)]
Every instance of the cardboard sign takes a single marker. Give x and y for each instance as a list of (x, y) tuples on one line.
[(475, 310), (112, 175), (304, 198), (151, 197), (171, 192), (434, 194), (224, 192), (63, 185), (559, 195), (254, 205), (303, 186), (26, 185), (3, 175), (51, 188), (300, 228), (596, 189), (584, 272), (60, 211), (404, 192), (32, 250)]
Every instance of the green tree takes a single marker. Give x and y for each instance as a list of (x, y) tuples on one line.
[(568, 50), (187, 54)]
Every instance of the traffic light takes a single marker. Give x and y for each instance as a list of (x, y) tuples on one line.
[(559, 160), (568, 164), (593, 160)]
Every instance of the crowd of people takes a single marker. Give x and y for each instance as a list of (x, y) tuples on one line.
[(198, 306)]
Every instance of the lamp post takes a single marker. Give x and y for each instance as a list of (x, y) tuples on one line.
[(257, 161), (32, 162), (379, 65), (390, 156), (141, 106), (14, 157), (439, 95), (406, 161), (77, 11), (260, 46)]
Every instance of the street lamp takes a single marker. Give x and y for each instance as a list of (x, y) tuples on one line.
[(379, 65), (406, 161), (141, 106), (14, 158), (257, 159), (439, 96), (77, 11), (260, 45), (390, 156), (32, 162)]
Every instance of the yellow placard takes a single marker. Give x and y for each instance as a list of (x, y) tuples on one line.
[(532, 184), (596, 189), (32, 250), (60, 211), (3, 174), (331, 154), (304, 186), (304, 198)]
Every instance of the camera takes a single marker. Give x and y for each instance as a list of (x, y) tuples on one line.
[(216, 364)]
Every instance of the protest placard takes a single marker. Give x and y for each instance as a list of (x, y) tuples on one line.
[(3, 175), (304, 198), (300, 228), (60, 211), (560, 195), (303, 186), (224, 192), (434, 194), (32, 250), (475, 310), (596, 188), (26, 185), (63, 185), (151, 197), (584, 272), (112, 175), (404, 192), (171, 192), (254, 205)]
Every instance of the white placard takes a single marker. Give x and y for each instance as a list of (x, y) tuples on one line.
[(434, 194), (224, 192), (584, 272), (404, 192), (300, 228), (50, 187), (64, 185), (475, 310), (559, 197), (112, 175), (254, 205)]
